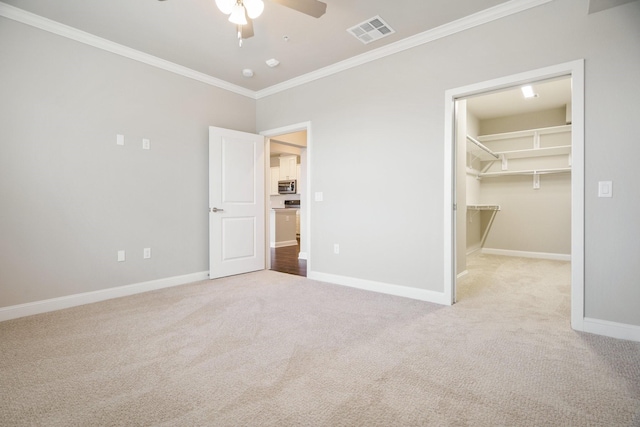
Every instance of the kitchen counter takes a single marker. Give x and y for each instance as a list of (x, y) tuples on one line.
[(283, 227)]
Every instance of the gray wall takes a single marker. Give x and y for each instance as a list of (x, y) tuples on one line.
[(473, 221), (70, 197), (546, 118), (379, 128), (530, 220), (461, 185)]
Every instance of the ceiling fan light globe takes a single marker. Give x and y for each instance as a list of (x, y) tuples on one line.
[(238, 15), (225, 6), (254, 8)]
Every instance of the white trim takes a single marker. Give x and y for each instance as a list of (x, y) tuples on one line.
[(575, 69), (577, 194), (525, 254), (306, 191), (449, 210), (54, 27), (611, 329), (485, 16), (473, 250), (479, 18), (382, 288), (284, 243), (45, 306), (298, 127)]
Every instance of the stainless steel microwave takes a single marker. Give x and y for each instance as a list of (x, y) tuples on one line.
[(288, 186)]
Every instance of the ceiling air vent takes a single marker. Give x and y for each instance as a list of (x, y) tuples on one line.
[(371, 30)]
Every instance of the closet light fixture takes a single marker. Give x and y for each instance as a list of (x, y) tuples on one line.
[(527, 92)]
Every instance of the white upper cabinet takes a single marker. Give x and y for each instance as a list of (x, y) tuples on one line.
[(275, 176), (288, 167)]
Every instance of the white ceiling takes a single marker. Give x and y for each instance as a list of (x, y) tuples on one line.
[(551, 94), (600, 5), (196, 35)]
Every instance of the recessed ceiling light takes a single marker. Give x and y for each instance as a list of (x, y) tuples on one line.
[(247, 72), (273, 62), (527, 92)]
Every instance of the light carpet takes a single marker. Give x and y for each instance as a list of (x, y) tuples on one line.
[(271, 349)]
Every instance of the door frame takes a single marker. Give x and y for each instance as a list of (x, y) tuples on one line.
[(575, 70), (305, 211)]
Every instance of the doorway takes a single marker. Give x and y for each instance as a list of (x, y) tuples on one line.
[(287, 214), (453, 241), (513, 192)]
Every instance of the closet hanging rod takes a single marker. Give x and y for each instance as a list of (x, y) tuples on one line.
[(524, 172), (482, 146)]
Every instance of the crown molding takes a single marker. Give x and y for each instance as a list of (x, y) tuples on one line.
[(54, 27), (488, 15), (497, 12)]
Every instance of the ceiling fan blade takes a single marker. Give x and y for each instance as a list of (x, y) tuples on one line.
[(246, 31), (313, 8)]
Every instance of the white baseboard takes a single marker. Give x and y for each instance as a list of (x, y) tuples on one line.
[(284, 243), (524, 254), (45, 306), (611, 329), (383, 288), (302, 255), (473, 249)]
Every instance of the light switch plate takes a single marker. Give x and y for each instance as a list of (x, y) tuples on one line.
[(318, 196), (605, 189), (120, 139), (121, 256)]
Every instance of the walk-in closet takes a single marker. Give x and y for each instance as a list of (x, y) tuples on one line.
[(513, 173)]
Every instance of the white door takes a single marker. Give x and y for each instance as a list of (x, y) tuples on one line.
[(236, 202)]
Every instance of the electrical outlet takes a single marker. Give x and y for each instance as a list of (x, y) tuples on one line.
[(146, 253), (120, 139), (146, 144), (121, 256), (336, 248)]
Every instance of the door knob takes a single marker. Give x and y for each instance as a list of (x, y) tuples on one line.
[(216, 210)]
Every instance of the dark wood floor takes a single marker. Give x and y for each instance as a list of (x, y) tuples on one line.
[(285, 260)]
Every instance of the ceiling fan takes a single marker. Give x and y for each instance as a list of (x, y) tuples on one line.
[(242, 12)]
